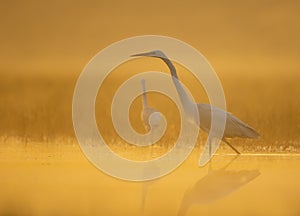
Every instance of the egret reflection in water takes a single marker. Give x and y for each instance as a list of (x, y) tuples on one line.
[(215, 185), (155, 170)]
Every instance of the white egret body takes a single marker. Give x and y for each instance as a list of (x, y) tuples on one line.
[(233, 128)]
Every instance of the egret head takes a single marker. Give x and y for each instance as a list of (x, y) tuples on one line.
[(154, 53)]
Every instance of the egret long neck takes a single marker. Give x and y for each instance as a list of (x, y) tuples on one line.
[(171, 67), (184, 98), (145, 101)]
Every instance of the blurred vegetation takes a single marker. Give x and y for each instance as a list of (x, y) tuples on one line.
[(40, 107), (36, 108)]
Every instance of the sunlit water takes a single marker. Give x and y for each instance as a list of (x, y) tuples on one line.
[(40, 179)]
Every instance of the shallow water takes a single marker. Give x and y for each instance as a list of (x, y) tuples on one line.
[(58, 180)]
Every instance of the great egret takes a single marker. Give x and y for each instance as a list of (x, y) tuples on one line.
[(233, 128), (150, 116)]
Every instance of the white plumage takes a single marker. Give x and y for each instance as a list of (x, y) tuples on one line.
[(234, 127)]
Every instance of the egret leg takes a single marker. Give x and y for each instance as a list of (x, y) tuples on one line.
[(230, 162), (234, 149), (209, 148), (210, 165)]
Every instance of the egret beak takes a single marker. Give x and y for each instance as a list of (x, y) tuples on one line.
[(142, 54)]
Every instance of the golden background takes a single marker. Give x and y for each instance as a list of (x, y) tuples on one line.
[(250, 37), (252, 45)]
